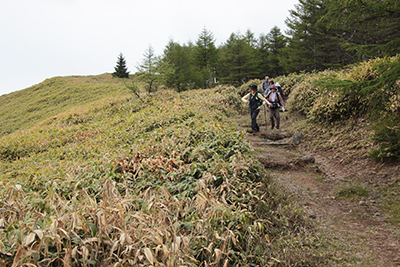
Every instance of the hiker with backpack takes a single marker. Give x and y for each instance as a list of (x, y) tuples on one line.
[(280, 91), (276, 101), (255, 100), (265, 86)]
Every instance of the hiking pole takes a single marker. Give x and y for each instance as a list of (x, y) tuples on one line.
[(265, 116)]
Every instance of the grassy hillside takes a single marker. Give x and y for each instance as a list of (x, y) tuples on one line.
[(163, 180), (94, 176), (25, 108)]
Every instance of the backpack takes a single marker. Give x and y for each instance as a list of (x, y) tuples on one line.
[(277, 102), (259, 101), (279, 89)]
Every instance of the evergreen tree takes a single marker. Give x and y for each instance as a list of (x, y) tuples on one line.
[(149, 69), (275, 42), (263, 55), (121, 71), (177, 67), (369, 28), (249, 36), (205, 58), (312, 46), (238, 61)]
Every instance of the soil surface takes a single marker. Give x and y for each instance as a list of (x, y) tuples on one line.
[(315, 176)]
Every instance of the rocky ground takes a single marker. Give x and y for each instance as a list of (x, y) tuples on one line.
[(315, 174)]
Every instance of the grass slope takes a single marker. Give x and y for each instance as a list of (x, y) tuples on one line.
[(163, 180), (25, 108)]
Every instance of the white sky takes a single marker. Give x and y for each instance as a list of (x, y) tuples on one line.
[(42, 39)]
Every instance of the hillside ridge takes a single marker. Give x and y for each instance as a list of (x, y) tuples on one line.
[(25, 108)]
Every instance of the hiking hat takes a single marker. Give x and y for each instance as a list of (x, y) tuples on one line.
[(273, 87), (266, 77), (277, 84), (253, 87)]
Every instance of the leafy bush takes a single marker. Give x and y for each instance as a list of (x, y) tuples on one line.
[(288, 82)]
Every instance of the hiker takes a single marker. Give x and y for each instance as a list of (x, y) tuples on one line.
[(255, 100), (276, 103), (265, 86), (280, 90)]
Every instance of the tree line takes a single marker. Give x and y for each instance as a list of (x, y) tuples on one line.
[(322, 34)]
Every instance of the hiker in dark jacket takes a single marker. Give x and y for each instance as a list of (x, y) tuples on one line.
[(276, 101), (255, 100)]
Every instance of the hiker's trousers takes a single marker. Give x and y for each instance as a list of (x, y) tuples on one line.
[(274, 115), (254, 114)]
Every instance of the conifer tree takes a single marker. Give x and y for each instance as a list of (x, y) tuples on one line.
[(121, 71), (149, 69), (238, 60), (263, 55), (370, 28), (205, 57), (176, 66), (312, 46), (276, 41)]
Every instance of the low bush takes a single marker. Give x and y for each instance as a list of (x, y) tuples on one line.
[(370, 89)]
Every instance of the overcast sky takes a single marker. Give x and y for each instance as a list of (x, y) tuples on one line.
[(42, 39)]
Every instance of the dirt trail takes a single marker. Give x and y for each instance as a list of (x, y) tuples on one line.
[(314, 178)]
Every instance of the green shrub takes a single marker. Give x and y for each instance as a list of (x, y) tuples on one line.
[(387, 134)]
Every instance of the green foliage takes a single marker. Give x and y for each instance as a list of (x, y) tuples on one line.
[(149, 70), (367, 89), (205, 54), (276, 41), (387, 134), (369, 28), (238, 61), (177, 69), (360, 89), (312, 44), (121, 71)]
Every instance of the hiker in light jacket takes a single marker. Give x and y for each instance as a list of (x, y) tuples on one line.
[(255, 100), (276, 101)]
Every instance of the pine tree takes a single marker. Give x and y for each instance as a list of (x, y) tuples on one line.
[(263, 55), (149, 69), (369, 28), (121, 71), (238, 61), (176, 66), (276, 41), (312, 46), (205, 57)]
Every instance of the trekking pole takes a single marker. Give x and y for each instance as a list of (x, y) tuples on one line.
[(265, 116)]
